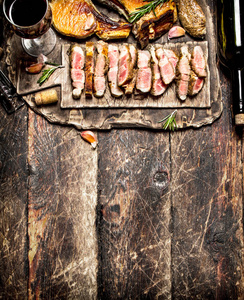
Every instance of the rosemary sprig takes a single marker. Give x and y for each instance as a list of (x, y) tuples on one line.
[(147, 8), (47, 73), (51, 63), (169, 121)]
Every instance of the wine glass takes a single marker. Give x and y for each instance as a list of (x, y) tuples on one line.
[(31, 20)]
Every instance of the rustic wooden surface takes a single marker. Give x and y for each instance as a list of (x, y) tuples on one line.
[(147, 215)]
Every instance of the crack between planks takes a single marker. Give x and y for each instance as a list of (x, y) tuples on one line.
[(171, 214), (27, 203)]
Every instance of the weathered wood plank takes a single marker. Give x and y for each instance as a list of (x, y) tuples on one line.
[(13, 201), (134, 226), (207, 211), (61, 213)]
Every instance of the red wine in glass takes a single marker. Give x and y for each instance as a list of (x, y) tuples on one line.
[(31, 20)]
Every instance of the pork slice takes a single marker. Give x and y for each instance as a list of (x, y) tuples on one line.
[(195, 84), (166, 68), (198, 61), (183, 73), (143, 59), (133, 53), (77, 75), (101, 67), (77, 58), (113, 57), (89, 68), (144, 73), (129, 87), (172, 57), (79, 84), (113, 82), (158, 86), (78, 80), (125, 66), (99, 85), (144, 80)]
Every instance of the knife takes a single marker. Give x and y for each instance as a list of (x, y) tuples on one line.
[(9, 98)]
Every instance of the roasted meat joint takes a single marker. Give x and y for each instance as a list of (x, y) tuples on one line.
[(147, 20), (81, 19)]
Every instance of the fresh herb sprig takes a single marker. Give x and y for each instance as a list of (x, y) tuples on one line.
[(48, 72), (169, 121), (147, 8)]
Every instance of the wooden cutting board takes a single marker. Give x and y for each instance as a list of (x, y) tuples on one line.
[(168, 99), (27, 83)]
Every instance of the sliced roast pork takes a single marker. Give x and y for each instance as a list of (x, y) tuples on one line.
[(166, 68), (113, 57), (101, 67), (129, 87), (158, 86), (144, 73), (124, 65), (198, 62), (172, 57), (77, 59), (195, 84), (89, 68), (183, 73)]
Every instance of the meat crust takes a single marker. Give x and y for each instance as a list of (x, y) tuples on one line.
[(192, 18), (89, 68)]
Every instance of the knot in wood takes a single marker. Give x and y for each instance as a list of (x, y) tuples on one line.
[(161, 179)]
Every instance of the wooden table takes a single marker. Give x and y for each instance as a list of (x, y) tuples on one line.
[(147, 215)]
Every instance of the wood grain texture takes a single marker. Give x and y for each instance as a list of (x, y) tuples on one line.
[(61, 213), (148, 215), (13, 195), (207, 211), (134, 223), (13, 210)]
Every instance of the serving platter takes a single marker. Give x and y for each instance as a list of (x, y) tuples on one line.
[(109, 112)]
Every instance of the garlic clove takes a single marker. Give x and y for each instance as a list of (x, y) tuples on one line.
[(175, 32), (41, 58), (34, 68), (90, 137)]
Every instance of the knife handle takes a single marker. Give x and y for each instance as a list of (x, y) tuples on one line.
[(9, 98)]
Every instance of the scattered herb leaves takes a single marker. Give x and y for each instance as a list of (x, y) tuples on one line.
[(169, 121), (147, 8), (48, 72)]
